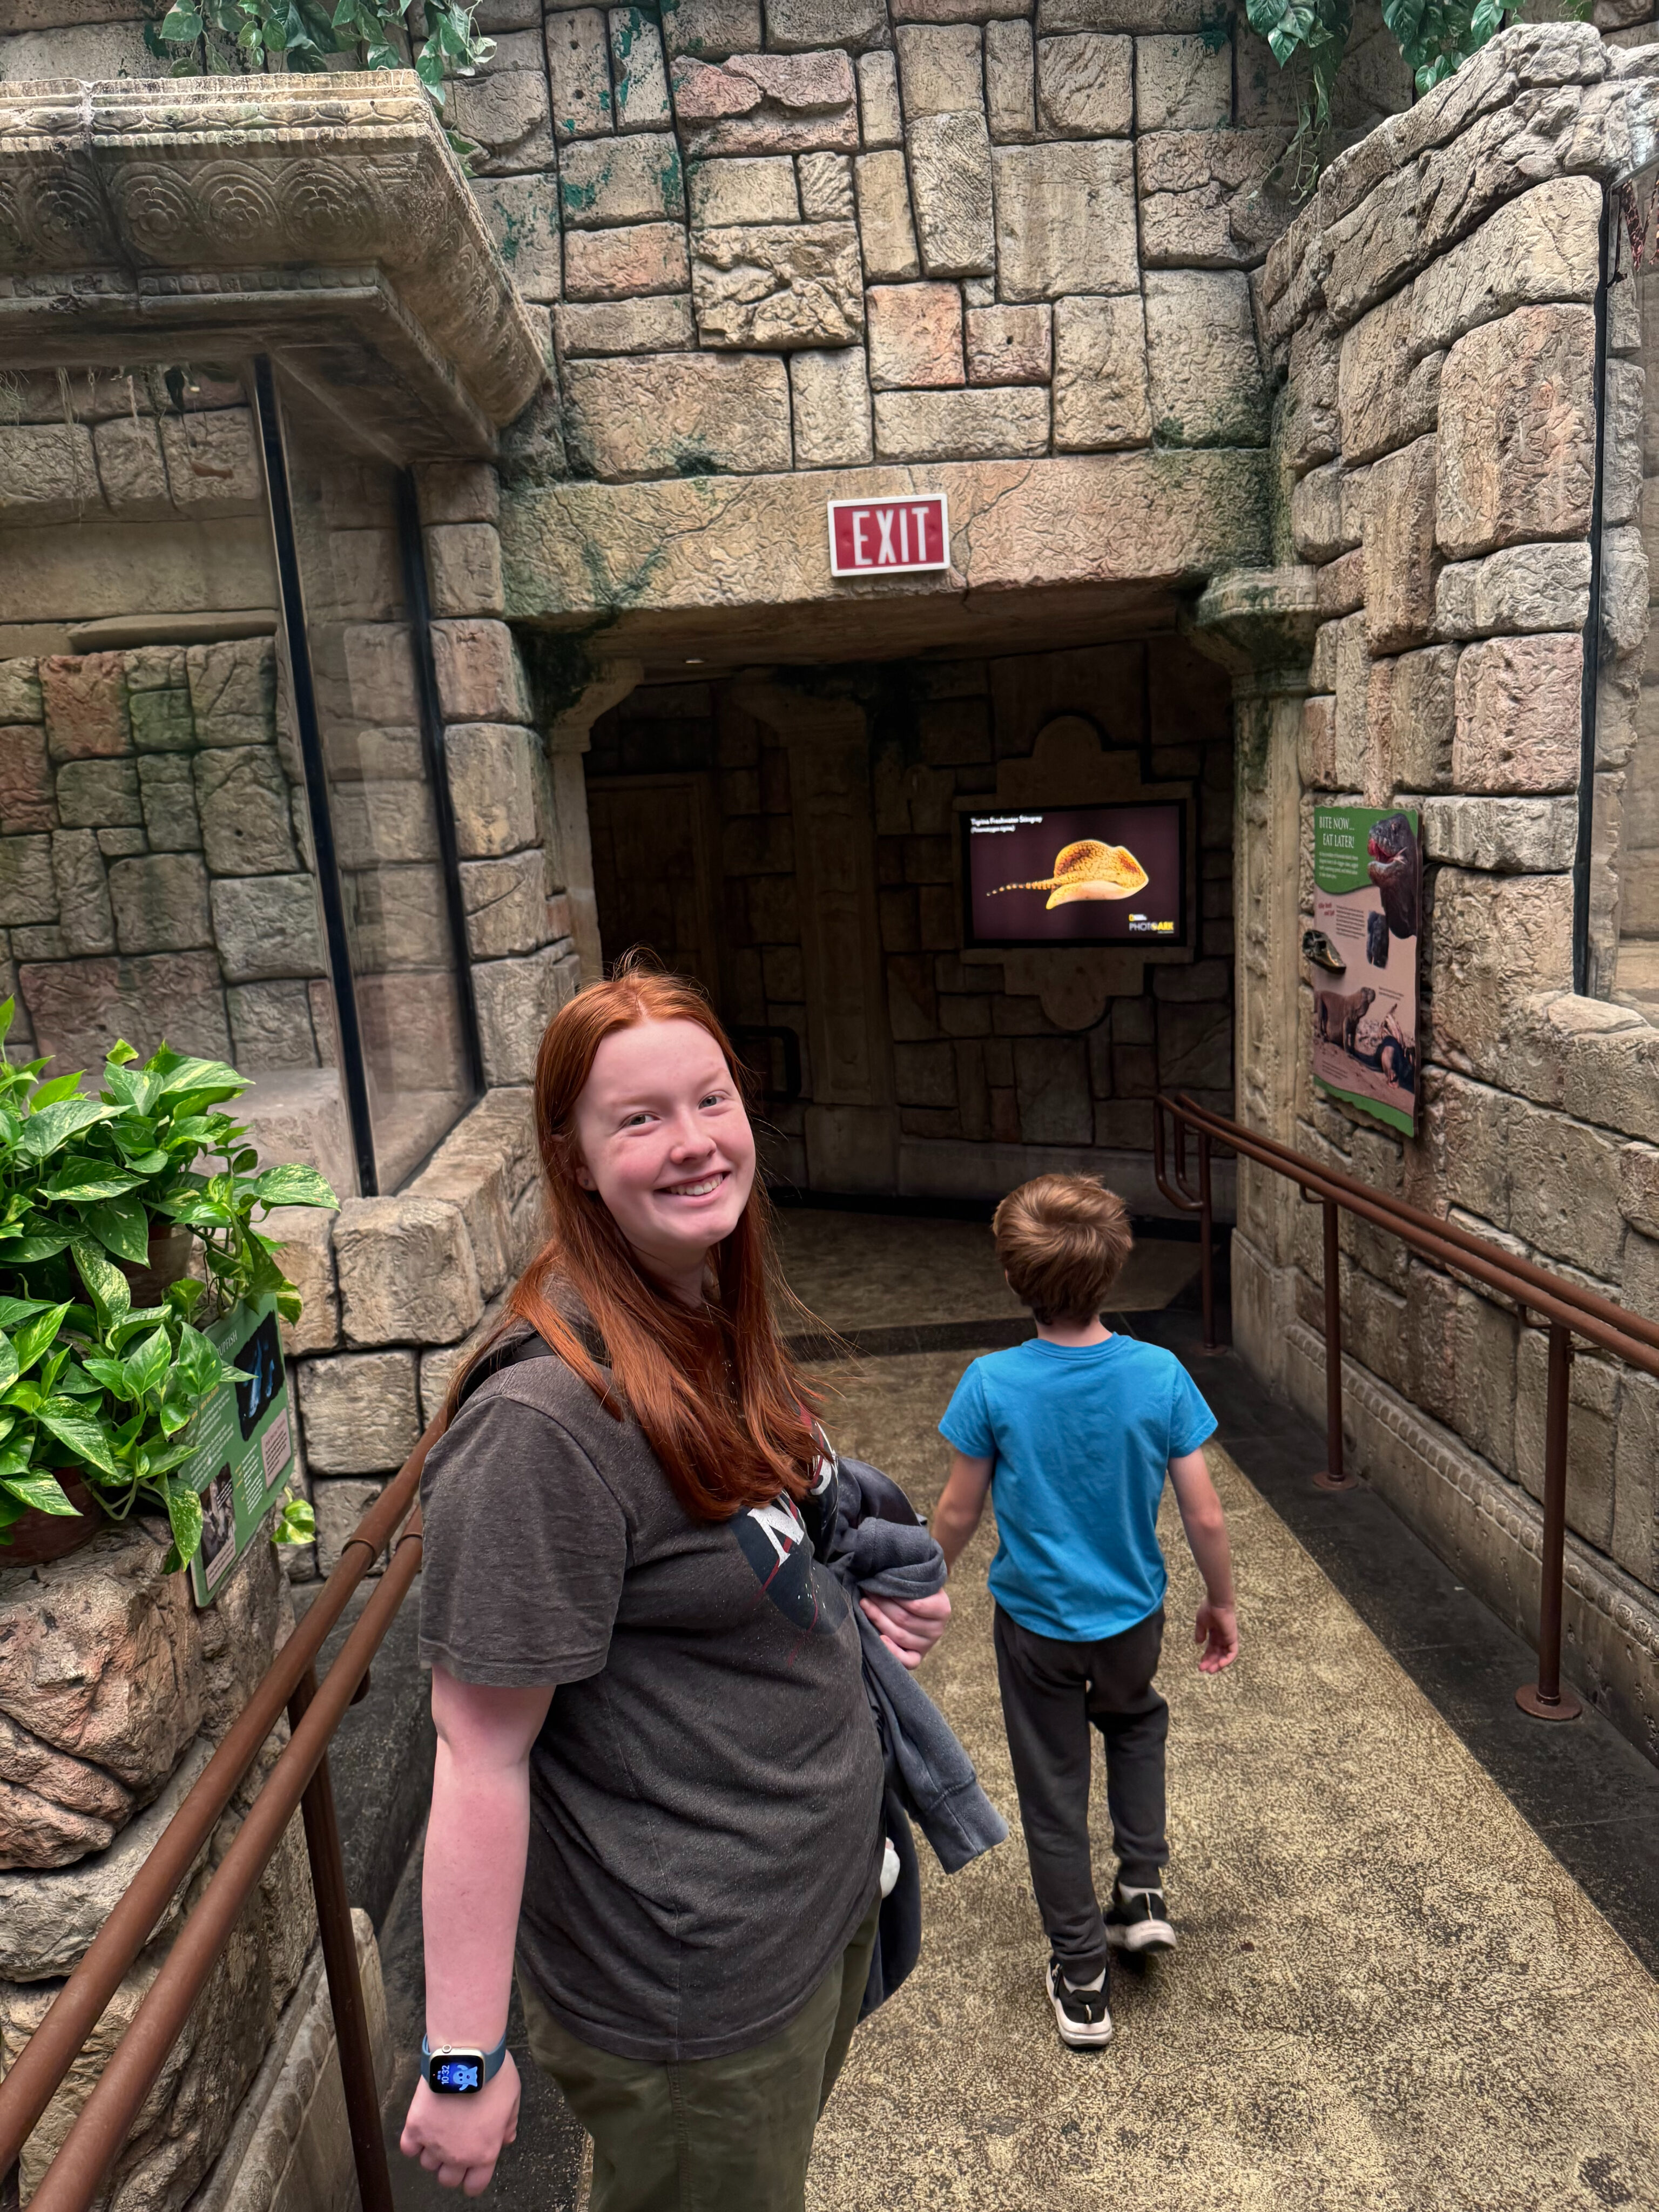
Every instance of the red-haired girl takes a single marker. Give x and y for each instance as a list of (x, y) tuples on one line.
[(657, 1769)]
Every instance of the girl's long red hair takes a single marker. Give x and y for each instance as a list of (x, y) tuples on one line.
[(716, 1394)]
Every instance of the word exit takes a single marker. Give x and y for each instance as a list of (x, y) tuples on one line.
[(871, 536)]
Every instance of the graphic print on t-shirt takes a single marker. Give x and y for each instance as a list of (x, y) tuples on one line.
[(776, 1541)]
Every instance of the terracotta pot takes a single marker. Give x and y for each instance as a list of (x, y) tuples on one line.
[(41, 1536), (169, 1259)]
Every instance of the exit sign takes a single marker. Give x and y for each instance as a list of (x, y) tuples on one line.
[(889, 536)]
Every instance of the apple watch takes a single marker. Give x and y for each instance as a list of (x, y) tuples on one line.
[(458, 2069)]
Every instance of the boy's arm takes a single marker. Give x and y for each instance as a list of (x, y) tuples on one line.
[(957, 1513), (1217, 1627)]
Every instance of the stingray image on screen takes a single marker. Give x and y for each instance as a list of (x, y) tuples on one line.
[(1070, 875)]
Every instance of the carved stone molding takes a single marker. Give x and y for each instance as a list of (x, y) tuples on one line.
[(297, 214)]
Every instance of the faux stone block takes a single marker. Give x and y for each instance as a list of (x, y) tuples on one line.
[(626, 263), (1399, 548), (121, 844), (266, 926), (523, 215), (506, 903), (1422, 713), (1523, 587), (761, 190), (579, 73), (885, 230), (826, 187), (26, 781), (243, 803), (406, 1272), (639, 71), (662, 324), (1086, 86), (1519, 710), (1101, 399), (492, 787), (1509, 836), (398, 919), (516, 999), (1182, 84), (378, 821), (767, 104), (47, 473), (166, 793), (161, 720), (457, 491), (679, 414), (359, 1409), (915, 336), (1205, 197), (620, 180), (161, 904), (80, 1008), (950, 185), (83, 896), (1010, 101), (304, 1237), (270, 1027), (778, 288), (1065, 220), (830, 394), (879, 100), (21, 697), (155, 668), (129, 467), (96, 795), (940, 71), (940, 426), (480, 676), (1014, 345), (212, 459), (1517, 431), (504, 108), (85, 700), (233, 691), (1542, 247), (1205, 372), (712, 28), (463, 560)]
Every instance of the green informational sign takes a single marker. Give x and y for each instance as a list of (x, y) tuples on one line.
[(244, 1441), (1361, 956)]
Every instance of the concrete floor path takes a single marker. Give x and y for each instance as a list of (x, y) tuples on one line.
[(1390, 1996)]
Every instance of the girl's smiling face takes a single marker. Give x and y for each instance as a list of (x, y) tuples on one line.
[(663, 1139)]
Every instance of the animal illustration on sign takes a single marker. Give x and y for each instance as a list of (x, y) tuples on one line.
[(1086, 870), (1317, 948), (1338, 1014), (1376, 940), (1393, 869)]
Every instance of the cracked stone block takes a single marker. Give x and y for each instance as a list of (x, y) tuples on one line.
[(397, 918), (339, 1505), (1519, 715), (26, 781), (161, 720), (83, 896), (131, 469), (161, 904), (1066, 219), (1010, 345), (243, 804), (1206, 196), (85, 699), (504, 109), (940, 70), (270, 1027), (886, 232), (640, 71), (166, 793), (1010, 64), (472, 1176), (516, 999), (304, 1237), (1542, 247), (951, 188), (797, 26), (523, 215), (1399, 548), (377, 821), (679, 414), (879, 100), (778, 288), (457, 491), (359, 1409), (1517, 431), (406, 1273), (463, 560), (767, 104), (916, 337), (761, 189), (94, 794), (1204, 369), (826, 187), (80, 1008), (1102, 400), (579, 73), (1086, 86), (47, 473), (233, 691), (1384, 397), (606, 326), (604, 181), (213, 460), (1422, 717), (1505, 836), (492, 787), (1522, 588), (21, 697), (480, 676), (968, 425), (506, 903), (711, 29), (830, 392), (1182, 84), (625, 264), (28, 890), (266, 926)]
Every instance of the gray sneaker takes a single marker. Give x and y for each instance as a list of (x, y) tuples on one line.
[(1082, 2016)]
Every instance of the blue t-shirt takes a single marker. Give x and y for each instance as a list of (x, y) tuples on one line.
[(1082, 1437)]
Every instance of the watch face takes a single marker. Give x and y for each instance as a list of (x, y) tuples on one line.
[(456, 2073)]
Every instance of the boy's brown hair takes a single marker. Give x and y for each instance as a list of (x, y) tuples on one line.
[(1062, 1240)]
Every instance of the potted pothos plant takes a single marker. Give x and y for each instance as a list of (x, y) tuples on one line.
[(105, 1196)]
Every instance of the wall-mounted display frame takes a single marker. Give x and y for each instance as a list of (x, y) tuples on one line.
[(1047, 877), (1362, 959)]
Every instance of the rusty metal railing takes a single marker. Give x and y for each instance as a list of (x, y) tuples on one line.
[(1569, 1310), (300, 1777)]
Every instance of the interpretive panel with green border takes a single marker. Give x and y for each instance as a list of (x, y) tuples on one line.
[(1361, 955), (243, 1444)]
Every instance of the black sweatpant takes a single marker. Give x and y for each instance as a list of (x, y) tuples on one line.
[(1051, 1693)]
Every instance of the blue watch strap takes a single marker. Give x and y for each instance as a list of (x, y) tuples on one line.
[(492, 2059)]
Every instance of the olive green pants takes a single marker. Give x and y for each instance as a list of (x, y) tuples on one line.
[(711, 2134)]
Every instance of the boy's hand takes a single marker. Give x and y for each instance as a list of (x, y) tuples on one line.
[(1217, 1630), (909, 1627)]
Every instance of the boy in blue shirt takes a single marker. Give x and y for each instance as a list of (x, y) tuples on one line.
[(1075, 1432)]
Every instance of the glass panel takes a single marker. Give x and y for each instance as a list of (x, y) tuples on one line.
[(416, 1049)]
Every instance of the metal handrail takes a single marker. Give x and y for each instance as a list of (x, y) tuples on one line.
[(1569, 1310), (300, 1777)]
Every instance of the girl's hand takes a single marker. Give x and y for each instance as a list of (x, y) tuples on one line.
[(459, 2139), (909, 1627), (1217, 1630)]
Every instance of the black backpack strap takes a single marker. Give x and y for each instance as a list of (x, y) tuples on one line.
[(511, 1352)]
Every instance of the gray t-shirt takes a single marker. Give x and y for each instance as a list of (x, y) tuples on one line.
[(705, 1793)]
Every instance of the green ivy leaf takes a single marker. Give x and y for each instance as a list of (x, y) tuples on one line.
[(111, 1291), (146, 1368), (13, 1310), (180, 24), (67, 1420), (122, 1226), (184, 1516), (205, 1075), (76, 1187), (43, 1134), (293, 1185), (295, 1524), (50, 1094), (9, 1367), (43, 1492), (29, 1341)]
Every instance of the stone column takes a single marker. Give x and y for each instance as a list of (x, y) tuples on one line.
[(1260, 624), (569, 736)]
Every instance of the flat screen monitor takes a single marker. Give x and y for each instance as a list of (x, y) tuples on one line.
[(1076, 875)]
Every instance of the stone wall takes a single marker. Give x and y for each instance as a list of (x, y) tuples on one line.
[(1434, 314)]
